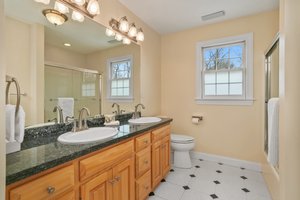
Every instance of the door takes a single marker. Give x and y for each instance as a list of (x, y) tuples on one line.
[(156, 163), (165, 158), (123, 177), (99, 188)]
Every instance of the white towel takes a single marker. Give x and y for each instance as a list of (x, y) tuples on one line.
[(10, 111), (20, 125), (273, 131), (112, 123), (67, 106)]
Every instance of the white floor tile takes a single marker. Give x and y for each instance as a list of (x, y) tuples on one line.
[(194, 195), (155, 198), (202, 186), (169, 191), (178, 178)]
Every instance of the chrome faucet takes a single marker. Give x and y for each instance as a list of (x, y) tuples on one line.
[(58, 110), (69, 120), (135, 114), (118, 111), (82, 126)]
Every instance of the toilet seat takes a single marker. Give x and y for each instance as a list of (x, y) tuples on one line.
[(181, 139)]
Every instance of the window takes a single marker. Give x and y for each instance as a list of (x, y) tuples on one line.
[(120, 83), (224, 71)]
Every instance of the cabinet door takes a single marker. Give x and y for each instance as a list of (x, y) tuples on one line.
[(156, 163), (99, 188), (67, 196), (165, 158), (123, 176)]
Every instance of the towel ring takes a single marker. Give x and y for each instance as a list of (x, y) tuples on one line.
[(9, 80)]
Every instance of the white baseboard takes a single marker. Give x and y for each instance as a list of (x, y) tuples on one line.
[(227, 160)]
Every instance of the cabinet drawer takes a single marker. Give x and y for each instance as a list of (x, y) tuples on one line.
[(47, 186), (94, 164), (160, 133), (142, 142), (67, 196), (143, 186), (143, 161)]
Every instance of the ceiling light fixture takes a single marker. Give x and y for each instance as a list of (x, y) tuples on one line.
[(213, 15), (55, 17), (61, 7), (43, 1), (123, 30)]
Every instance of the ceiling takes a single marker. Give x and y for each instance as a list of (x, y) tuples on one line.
[(167, 16), (85, 38)]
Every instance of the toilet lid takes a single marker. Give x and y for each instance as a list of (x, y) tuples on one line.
[(181, 138)]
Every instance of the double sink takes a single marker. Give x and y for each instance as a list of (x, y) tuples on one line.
[(100, 133)]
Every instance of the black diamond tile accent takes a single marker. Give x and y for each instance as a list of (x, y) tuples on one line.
[(186, 187), (244, 177), (218, 171), (171, 170), (151, 194), (197, 166), (217, 182), (245, 190), (242, 168), (214, 196), (201, 159), (163, 180), (220, 163), (192, 175)]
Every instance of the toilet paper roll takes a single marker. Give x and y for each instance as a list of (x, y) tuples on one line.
[(195, 120)]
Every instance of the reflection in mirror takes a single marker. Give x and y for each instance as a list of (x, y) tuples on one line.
[(68, 61)]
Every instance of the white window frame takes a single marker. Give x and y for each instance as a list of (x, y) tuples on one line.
[(108, 88), (247, 97)]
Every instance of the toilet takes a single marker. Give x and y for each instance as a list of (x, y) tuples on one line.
[(182, 145)]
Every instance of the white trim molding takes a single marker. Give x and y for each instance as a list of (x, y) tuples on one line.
[(247, 97), (227, 160)]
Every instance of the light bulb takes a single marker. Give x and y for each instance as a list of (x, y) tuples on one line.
[(43, 1), (79, 2), (140, 36), (77, 16), (109, 32), (124, 25), (61, 7), (126, 40), (132, 30), (93, 7), (118, 37)]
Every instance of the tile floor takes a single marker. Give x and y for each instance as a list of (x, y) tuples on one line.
[(208, 180)]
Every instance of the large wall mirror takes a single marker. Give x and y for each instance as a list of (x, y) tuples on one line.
[(94, 70)]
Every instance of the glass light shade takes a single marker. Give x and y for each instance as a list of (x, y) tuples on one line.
[(140, 36), (109, 32), (77, 16), (93, 7), (118, 37), (124, 25), (61, 7), (132, 31), (126, 40), (55, 17), (43, 1), (79, 2)]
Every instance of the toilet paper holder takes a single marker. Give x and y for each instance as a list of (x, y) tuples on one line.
[(200, 118)]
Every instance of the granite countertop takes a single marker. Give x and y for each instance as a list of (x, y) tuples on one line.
[(41, 153)]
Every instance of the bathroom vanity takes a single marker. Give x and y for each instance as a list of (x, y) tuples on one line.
[(128, 166)]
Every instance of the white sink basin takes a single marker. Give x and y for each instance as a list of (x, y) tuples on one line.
[(88, 136), (144, 120)]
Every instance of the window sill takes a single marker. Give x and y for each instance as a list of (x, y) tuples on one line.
[(226, 102), (121, 100)]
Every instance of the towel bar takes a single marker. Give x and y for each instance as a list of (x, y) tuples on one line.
[(10, 80)]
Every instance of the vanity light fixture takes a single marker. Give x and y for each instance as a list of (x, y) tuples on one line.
[(61, 7), (123, 30), (55, 17), (77, 16), (93, 7), (43, 1), (78, 2)]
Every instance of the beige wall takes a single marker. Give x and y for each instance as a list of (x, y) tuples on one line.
[(234, 131), (289, 96), (98, 61), (150, 72), (25, 61), (2, 97)]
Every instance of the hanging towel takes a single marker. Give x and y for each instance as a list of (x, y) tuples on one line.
[(20, 125), (10, 111), (273, 131), (67, 106)]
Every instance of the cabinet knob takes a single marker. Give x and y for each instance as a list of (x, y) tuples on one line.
[(112, 181), (146, 161), (146, 141), (50, 190), (146, 187), (117, 178)]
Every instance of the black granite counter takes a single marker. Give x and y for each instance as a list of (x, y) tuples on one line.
[(41, 151)]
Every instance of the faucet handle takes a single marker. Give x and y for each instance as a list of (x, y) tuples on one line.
[(68, 121)]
